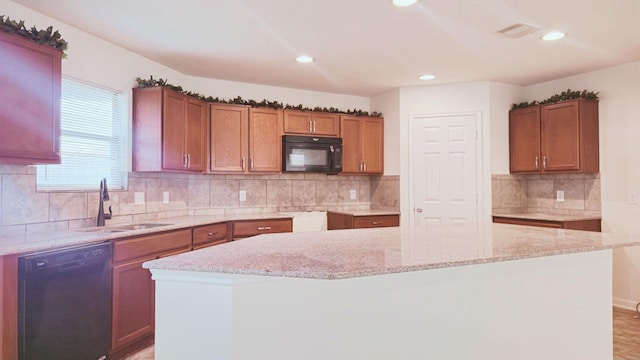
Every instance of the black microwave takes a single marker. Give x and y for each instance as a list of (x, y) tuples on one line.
[(311, 154)]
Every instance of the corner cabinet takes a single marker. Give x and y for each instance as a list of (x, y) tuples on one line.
[(311, 123), (30, 83), (169, 131), (245, 140), (555, 138), (362, 145)]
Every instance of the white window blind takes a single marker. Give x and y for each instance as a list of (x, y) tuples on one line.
[(91, 145)]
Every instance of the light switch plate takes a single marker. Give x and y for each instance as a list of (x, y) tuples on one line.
[(165, 197), (243, 195), (560, 195), (138, 198), (352, 193)]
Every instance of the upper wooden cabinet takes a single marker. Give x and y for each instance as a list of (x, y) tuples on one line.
[(561, 137), (311, 123), (169, 131), (362, 145), (245, 139), (30, 82)]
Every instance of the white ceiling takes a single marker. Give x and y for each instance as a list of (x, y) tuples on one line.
[(362, 47)]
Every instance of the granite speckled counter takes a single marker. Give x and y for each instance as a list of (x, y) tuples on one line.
[(25, 243), (360, 252)]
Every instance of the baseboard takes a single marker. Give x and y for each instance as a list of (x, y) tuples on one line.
[(625, 304)]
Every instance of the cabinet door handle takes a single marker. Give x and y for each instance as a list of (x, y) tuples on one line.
[(263, 228), (184, 161), (211, 233), (250, 163), (314, 126), (364, 166), (537, 163), (188, 161), (544, 162), (310, 127), (243, 164)]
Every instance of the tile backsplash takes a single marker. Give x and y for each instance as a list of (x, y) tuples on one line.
[(23, 209), (537, 194)]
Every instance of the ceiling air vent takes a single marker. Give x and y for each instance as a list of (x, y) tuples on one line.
[(517, 31)]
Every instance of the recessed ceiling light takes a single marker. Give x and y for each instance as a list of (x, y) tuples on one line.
[(404, 2), (305, 59), (427, 77), (554, 35)]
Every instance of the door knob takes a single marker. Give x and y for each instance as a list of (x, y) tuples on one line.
[(418, 210)]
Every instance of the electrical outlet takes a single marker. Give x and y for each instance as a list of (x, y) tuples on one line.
[(633, 197), (560, 195), (352, 194), (243, 195), (165, 197), (138, 198)]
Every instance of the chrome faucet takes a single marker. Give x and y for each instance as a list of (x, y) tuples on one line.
[(104, 196)]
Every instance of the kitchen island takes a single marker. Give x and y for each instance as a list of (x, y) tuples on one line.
[(470, 291)]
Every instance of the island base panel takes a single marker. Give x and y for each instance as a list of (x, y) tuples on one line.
[(556, 307)]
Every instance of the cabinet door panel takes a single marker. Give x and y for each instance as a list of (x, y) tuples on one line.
[(524, 140), (326, 124), (30, 78), (297, 122), (350, 132), (229, 136), (560, 129), (195, 129), (265, 140), (172, 130), (372, 145), (133, 297)]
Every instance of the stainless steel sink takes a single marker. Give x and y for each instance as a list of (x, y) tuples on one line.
[(141, 226), (123, 228)]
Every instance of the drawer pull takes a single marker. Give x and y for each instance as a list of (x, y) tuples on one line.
[(376, 222), (263, 228), (212, 233)]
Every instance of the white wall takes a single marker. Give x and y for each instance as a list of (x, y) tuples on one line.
[(502, 97), (619, 111), (443, 99), (388, 103)]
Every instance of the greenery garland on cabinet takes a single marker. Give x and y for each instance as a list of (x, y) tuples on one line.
[(151, 82), (46, 37), (563, 96)]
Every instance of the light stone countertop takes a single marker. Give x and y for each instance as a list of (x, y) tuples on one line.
[(339, 254), (26, 243), (368, 212), (547, 217)]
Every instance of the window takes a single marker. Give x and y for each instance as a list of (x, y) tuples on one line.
[(91, 141)]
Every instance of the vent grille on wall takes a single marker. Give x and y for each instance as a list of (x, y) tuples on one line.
[(519, 30)]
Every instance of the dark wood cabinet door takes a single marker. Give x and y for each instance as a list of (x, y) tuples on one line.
[(350, 132), (173, 112), (30, 84), (265, 140), (133, 303), (524, 140), (560, 136), (372, 142), (229, 134), (195, 131)]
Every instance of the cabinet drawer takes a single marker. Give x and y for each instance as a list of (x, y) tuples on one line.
[(256, 227), (361, 222), (210, 234), (144, 246), (527, 222)]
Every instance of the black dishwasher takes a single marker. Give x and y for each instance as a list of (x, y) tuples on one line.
[(64, 303)]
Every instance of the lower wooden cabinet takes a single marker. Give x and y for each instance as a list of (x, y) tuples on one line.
[(338, 220), (209, 235), (133, 296), (586, 225)]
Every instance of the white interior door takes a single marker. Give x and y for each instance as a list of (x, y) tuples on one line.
[(443, 157)]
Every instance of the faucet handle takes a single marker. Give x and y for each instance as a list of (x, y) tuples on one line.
[(109, 215)]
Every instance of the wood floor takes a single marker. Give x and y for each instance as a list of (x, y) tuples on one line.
[(626, 338)]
